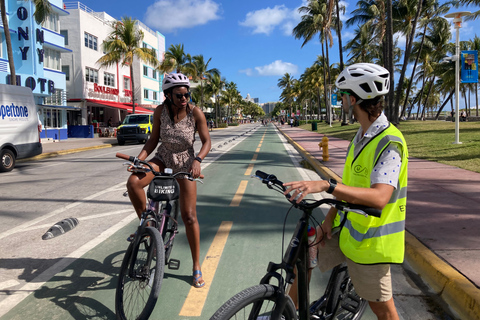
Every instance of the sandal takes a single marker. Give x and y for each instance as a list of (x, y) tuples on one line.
[(197, 275)]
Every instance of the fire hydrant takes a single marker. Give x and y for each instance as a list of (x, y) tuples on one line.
[(324, 147)]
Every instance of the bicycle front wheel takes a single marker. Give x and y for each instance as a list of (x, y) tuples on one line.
[(257, 302), (140, 278)]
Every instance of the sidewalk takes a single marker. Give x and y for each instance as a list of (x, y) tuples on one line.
[(443, 222)]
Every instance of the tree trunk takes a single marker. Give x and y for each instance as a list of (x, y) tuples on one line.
[(408, 50), (133, 87), (325, 82), (444, 104), (392, 116), (8, 41)]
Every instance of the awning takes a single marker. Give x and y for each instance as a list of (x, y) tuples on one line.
[(118, 105)]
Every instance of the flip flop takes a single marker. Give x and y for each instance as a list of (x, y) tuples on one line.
[(197, 274)]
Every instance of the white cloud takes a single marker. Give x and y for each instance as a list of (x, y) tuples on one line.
[(266, 20), (248, 72), (169, 15), (276, 68)]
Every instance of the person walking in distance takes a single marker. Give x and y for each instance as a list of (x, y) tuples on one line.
[(175, 122), (375, 175)]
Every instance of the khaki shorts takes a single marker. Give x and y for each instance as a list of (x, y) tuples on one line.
[(372, 282)]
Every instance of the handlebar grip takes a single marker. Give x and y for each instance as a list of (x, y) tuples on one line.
[(264, 175), (125, 157), (368, 210)]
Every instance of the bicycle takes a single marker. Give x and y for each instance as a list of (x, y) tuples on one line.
[(267, 301), (142, 269)]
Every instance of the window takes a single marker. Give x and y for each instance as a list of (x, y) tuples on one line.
[(145, 71), (52, 22), (154, 95), (64, 33), (126, 83), (91, 75), (154, 74), (145, 93), (109, 79), (51, 59), (66, 70), (91, 41)]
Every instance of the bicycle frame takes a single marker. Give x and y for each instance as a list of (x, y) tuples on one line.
[(296, 255)]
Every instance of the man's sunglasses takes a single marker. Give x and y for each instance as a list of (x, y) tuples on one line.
[(186, 95)]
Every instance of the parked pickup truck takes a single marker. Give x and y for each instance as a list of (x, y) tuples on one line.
[(135, 127)]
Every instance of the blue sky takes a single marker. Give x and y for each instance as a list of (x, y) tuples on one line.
[(249, 41)]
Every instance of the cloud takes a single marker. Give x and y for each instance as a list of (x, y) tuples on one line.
[(266, 20), (170, 15), (276, 68)]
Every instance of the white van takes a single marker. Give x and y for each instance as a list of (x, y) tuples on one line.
[(19, 126)]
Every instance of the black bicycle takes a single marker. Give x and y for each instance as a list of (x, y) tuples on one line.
[(142, 269), (266, 301)]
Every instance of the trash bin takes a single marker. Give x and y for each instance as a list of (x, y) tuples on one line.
[(314, 126)]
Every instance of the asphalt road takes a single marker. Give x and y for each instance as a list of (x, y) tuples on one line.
[(73, 276)]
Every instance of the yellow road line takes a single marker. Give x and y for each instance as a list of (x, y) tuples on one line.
[(196, 298), (255, 157), (239, 194), (249, 169), (258, 150)]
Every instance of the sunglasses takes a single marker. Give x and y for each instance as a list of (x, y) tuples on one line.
[(344, 92), (186, 95)]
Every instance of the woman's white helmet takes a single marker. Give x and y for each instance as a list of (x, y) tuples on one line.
[(366, 80), (175, 79)]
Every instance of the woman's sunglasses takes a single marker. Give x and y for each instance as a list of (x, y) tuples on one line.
[(180, 95)]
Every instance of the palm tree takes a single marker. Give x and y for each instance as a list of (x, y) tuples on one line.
[(123, 45), (231, 96), (175, 59), (286, 84), (198, 69), (42, 10), (215, 85)]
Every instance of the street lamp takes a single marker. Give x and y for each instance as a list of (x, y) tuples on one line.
[(330, 102), (457, 21)]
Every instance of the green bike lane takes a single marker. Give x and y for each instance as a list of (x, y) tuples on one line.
[(241, 224)]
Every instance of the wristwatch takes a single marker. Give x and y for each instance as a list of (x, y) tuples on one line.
[(333, 184), (198, 159)]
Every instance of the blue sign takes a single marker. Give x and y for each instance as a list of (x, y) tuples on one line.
[(469, 64), (334, 99)]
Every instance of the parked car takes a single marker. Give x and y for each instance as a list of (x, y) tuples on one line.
[(135, 127)]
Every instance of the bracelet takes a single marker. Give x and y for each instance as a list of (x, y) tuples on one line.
[(198, 159)]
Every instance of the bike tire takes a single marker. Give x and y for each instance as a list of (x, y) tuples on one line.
[(135, 298), (344, 303), (240, 305), (169, 229)]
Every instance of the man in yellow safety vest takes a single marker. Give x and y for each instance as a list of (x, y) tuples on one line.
[(375, 175)]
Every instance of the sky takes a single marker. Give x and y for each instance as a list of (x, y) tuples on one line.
[(249, 41)]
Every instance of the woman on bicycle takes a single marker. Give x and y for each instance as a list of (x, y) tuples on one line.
[(375, 175), (175, 122)]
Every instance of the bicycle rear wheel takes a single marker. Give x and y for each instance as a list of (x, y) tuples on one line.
[(137, 293), (257, 302)]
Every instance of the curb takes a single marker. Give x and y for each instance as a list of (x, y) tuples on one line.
[(63, 152), (461, 295)]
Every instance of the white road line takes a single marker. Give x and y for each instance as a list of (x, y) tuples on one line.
[(8, 284), (93, 216), (18, 295), (58, 211)]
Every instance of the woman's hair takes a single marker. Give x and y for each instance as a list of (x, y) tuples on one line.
[(373, 107), (168, 103)]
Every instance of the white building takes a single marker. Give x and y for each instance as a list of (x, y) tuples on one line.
[(96, 94)]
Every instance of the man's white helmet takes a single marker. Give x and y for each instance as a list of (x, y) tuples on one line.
[(366, 80)]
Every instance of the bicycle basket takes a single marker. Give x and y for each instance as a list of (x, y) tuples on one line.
[(163, 189)]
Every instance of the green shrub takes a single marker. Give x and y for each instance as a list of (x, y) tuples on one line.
[(233, 124), (222, 125)]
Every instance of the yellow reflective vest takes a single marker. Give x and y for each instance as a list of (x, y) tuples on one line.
[(370, 240)]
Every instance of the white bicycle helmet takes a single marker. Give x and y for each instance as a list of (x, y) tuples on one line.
[(366, 80), (175, 79)]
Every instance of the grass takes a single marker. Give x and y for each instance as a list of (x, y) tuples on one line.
[(430, 140)]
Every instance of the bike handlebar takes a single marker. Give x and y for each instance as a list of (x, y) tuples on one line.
[(271, 180), (137, 162)]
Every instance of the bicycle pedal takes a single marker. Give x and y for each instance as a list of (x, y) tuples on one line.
[(174, 264), (353, 305)]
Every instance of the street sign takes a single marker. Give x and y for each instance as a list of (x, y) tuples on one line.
[(282, 112), (334, 99), (469, 65)]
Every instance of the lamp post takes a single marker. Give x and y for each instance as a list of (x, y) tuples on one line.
[(330, 102), (457, 21)]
